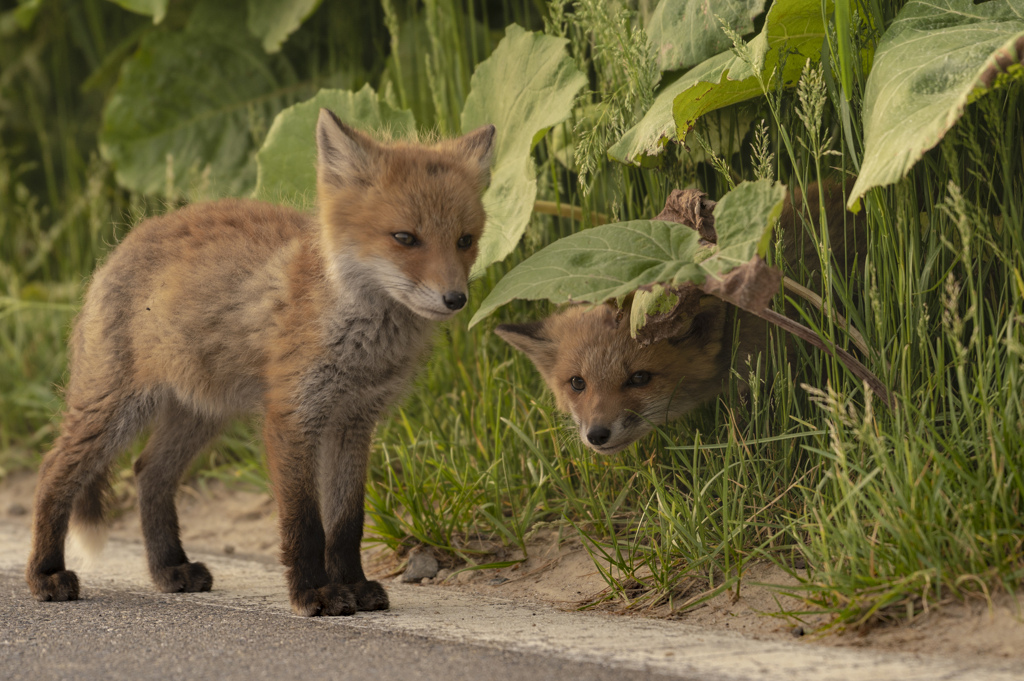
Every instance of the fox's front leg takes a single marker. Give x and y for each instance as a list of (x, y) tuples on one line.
[(292, 458), (342, 480)]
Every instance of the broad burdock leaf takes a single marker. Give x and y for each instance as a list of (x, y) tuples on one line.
[(612, 261), (153, 8), (744, 219), (180, 120), (272, 21), (648, 137), (526, 86), (287, 160), (935, 58), (686, 32), (792, 33), (598, 264)]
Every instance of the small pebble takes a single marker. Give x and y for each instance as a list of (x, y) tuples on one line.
[(498, 580), (17, 510), (421, 564), (797, 631), (229, 549)]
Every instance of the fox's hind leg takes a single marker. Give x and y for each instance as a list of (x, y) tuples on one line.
[(73, 478), (178, 436)]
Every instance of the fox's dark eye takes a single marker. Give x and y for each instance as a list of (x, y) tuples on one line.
[(639, 379), (577, 383), (405, 238), (465, 241)]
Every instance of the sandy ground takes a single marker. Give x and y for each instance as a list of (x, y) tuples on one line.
[(219, 519)]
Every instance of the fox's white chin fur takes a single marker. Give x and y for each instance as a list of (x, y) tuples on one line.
[(622, 438), (607, 450), (432, 315), (613, 448), (417, 298)]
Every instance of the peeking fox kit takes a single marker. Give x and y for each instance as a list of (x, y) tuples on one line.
[(617, 390), (238, 306)]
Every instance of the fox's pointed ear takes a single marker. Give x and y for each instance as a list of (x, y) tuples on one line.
[(708, 325), (478, 148), (343, 154), (529, 338)]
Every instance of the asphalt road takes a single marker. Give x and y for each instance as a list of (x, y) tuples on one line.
[(116, 635), (244, 629)]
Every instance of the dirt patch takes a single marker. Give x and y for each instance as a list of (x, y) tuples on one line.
[(226, 519)]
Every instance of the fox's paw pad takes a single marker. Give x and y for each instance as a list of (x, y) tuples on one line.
[(60, 586), (187, 577), (327, 601), (370, 596)]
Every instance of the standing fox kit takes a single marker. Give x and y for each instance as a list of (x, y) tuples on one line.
[(238, 306), (617, 390)]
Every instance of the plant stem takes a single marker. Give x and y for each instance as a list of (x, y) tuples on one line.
[(851, 362), (564, 210)]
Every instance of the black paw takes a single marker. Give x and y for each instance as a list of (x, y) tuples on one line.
[(327, 601), (60, 586), (187, 577), (370, 596)]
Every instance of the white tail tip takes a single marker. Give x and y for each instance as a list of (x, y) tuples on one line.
[(87, 542)]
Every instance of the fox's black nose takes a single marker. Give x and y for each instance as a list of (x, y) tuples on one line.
[(454, 300), (598, 435)]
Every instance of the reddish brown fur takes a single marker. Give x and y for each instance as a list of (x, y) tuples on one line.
[(237, 306), (612, 411)]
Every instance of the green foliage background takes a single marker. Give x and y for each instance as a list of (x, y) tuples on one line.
[(110, 112)]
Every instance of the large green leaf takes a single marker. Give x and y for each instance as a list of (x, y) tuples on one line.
[(599, 263), (527, 85), (287, 160), (686, 32), (272, 21), (935, 58), (152, 8), (792, 33), (614, 260), (179, 120), (744, 219), (648, 137)]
